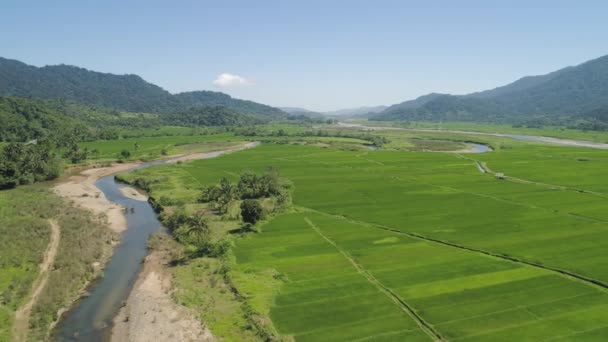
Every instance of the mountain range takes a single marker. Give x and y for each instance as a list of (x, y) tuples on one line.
[(121, 92), (572, 94), (356, 111), (578, 92)]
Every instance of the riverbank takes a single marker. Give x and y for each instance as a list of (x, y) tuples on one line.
[(151, 314), (143, 287), (531, 138), (82, 191), (46, 263)]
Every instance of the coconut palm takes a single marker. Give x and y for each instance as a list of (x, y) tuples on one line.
[(198, 229)]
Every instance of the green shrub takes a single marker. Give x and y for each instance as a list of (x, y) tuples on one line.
[(251, 211)]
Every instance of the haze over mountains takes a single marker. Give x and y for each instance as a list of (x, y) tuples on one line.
[(572, 92), (346, 112)]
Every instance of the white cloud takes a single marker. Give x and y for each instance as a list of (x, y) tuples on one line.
[(226, 80)]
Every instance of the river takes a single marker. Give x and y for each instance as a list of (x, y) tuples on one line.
[(90, 319), (548, 140)]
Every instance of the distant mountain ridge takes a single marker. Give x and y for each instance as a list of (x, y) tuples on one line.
[(297, 110), (123, 92), (357, 111), (214, 98), (571, 92)]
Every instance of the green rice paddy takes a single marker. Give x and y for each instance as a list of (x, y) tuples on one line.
[(393, 245)]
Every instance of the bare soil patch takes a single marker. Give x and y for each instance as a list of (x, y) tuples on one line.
[(81, 190)]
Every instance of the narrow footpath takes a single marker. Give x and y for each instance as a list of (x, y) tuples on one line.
[(22, 316)]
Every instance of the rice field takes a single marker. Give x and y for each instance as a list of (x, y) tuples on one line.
[(393, 245)]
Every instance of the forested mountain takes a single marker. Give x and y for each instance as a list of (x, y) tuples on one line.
[(213, 98), (570, 93), (411, 104), (209, 116), (25, 119), (122, 92), (67, 122)]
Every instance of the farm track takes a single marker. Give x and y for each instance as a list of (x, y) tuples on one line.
[(22, 316), (483, 168), (590, 281), (425, 326)]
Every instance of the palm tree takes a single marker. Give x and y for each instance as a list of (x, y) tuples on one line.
[(198, 229), (226, 189), (227, 193)]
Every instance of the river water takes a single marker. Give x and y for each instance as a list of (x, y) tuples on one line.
[(548, 140), (90, 319), (479, 148)]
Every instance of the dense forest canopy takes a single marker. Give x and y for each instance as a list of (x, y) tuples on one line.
[(122, 92), (212, 98), (26, 119), (209, 116), (28, 163)]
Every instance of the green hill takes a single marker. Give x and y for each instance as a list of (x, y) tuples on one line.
[(567, 94), (212, 98), (26, 119), (121, 92)]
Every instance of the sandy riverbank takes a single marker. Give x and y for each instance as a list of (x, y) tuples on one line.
[(133, 194), (81, 190), (150, 314), (208, 155)]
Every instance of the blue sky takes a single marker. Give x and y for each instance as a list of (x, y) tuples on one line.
[(320, 55)]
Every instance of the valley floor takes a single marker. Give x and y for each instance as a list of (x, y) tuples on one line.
[(379, 245), (392, 245)]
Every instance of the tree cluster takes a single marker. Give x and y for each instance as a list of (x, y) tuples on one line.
[(250, 188), (28, 163)]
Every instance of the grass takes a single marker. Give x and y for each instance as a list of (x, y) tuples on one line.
[(152, 147), (550, 131), (152, 144), (24, 214), (432, 203), (201, 287)]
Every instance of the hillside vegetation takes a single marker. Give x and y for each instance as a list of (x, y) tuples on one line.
[(563, 96), (122, 92)]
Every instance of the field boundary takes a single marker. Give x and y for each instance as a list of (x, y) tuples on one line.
[(425, 326), (590, 281)]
